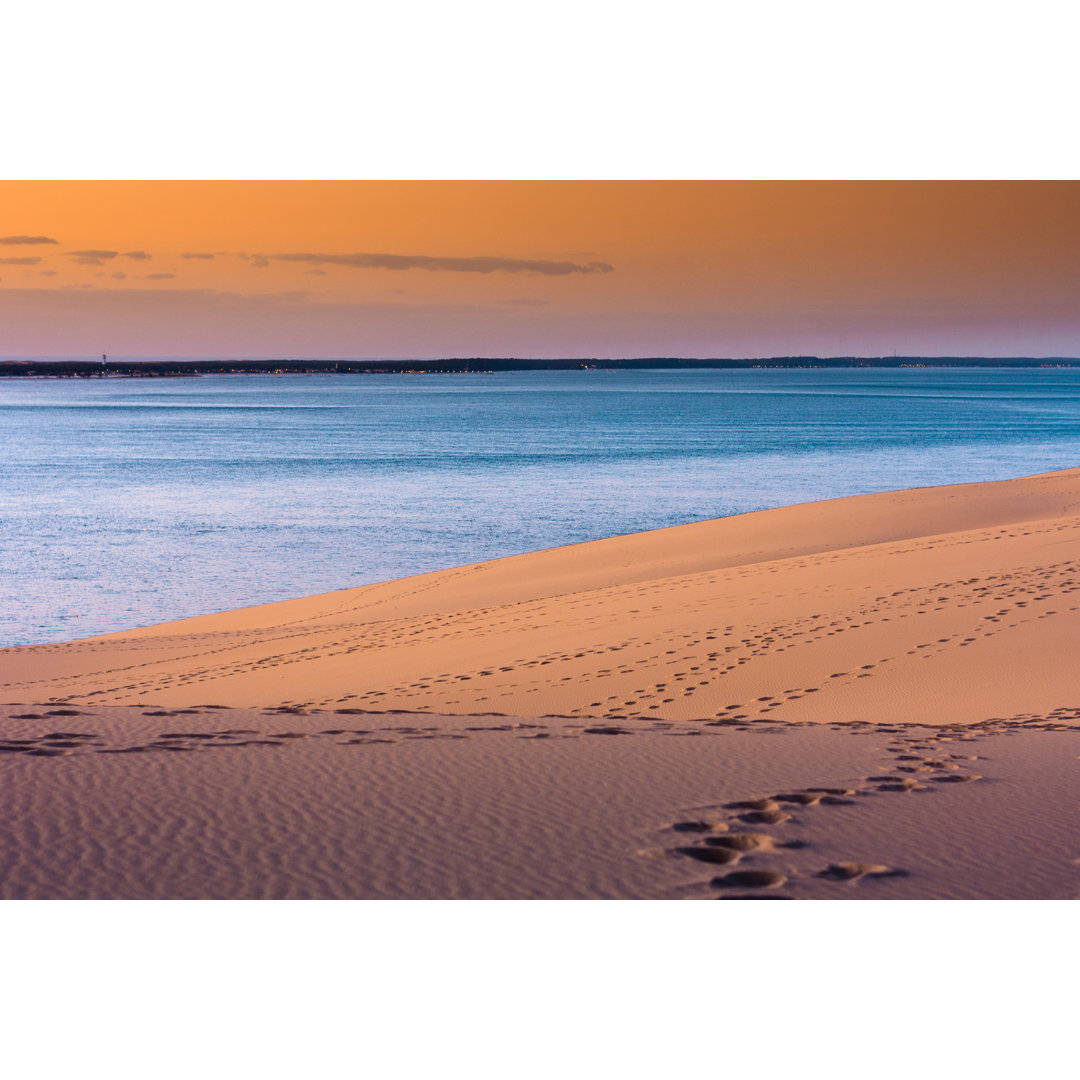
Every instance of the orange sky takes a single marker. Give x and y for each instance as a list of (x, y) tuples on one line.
[(583, 268)]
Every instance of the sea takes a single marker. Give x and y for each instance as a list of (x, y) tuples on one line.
[(131, 501)]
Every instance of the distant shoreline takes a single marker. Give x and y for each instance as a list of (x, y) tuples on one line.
[(165, 367)]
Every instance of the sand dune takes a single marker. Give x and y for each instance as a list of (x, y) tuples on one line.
[(942, 604), (865, 698)]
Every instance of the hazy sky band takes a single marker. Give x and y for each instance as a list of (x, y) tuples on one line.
[(590, 268)]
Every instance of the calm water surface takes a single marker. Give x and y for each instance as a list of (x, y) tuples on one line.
[(125, 502)]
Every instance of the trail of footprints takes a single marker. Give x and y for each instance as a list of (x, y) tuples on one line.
[(752, 830), (732, 652), (917, 770), (60, 743)]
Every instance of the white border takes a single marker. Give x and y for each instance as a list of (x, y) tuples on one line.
[(536, 990), (567, 89)]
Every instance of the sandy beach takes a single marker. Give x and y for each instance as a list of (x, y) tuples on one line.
[(872, 697)]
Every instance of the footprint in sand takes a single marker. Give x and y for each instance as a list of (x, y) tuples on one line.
[(853, 872), (902, 786), (715, 855), (765, 817), (754, 804), (743, 842), (750, 879), (801, 798), (698, 826)]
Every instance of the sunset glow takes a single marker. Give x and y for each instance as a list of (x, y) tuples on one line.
[(488, 268)]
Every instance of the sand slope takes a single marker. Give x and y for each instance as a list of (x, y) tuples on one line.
[(865, 698), (942, 605)]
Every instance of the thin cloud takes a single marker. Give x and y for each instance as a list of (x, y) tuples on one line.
[(136, 255), (120, 275), (47, 273), (158, 277), (88, 260), (316, 273), (21, 260), (197, 255), (28, 240), (259, 261), (481, 264), (94, 253)]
